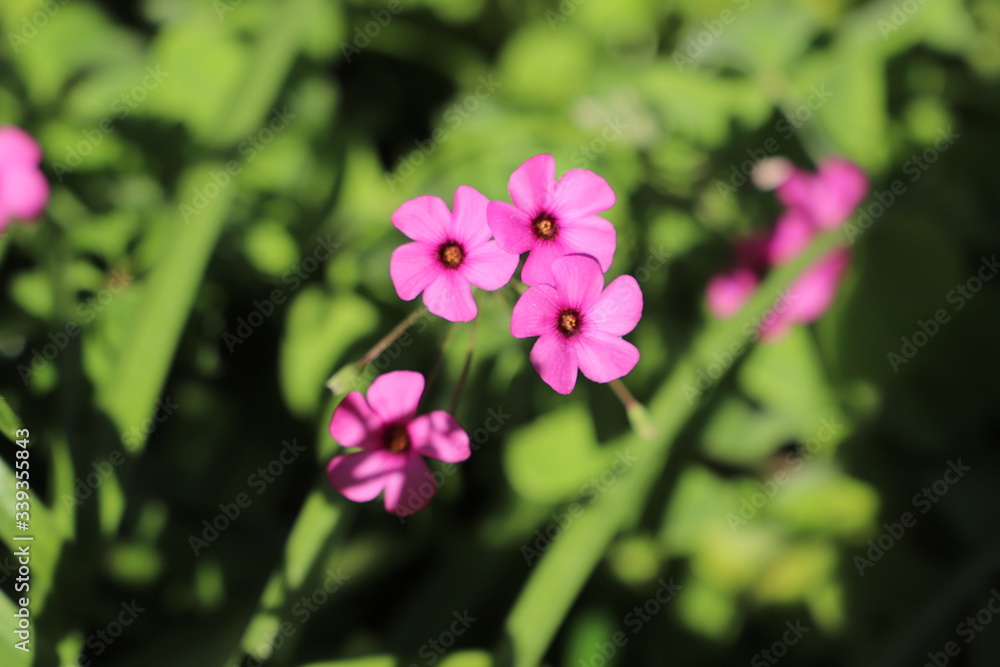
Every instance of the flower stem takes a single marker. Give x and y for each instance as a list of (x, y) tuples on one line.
[(390, 337), (464, 375), (636, 411), (347, 377)]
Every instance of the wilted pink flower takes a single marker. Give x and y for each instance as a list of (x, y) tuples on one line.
[(579, 323), (550, 219), (450, 252), (816, 202), (23, 188), (392, 442)]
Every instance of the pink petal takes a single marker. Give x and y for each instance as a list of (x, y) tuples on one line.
[(468, 223), (579, 280), (535, 313), (555, 360), (829, 196), (812, 293), (411, 489), (413, 267), (450, 297), (394, 396), (618, 309), (511, 227), (580, 194), (728, 293), (604, 357), (23, 192), (792, 234), (487, 266), (538, 266), (354, 424), (531, 184), (590, 236), (17, 147), (438, 435), (362, 476), (424, 218)]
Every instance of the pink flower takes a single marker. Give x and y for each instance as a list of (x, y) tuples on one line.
[(23, 188), (816, 202), (392, 441), (550, 219), (579, 323), (828, 197), (450, 252)]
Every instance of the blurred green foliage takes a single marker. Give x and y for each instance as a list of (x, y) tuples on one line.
[(223, 175)]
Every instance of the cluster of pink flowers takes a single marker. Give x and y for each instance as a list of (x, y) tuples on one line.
[(815, 202), (578, 321), (23, 188)]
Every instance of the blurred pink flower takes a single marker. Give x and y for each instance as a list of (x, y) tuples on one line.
[(552, 218), (816, 202), (450, 252), (23, 188), (392, 442), (828, 197), (579, 323)]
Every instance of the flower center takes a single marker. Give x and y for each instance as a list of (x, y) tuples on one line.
[(451, 254), (544, 226), (569, 322), (396, 439)]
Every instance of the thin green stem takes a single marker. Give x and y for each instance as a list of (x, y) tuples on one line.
[(565, 568)]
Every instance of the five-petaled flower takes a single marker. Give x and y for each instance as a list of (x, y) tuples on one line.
[(816, 202), (23, 188), (579, 323), (550, 219), (450, 252), (392, 442)]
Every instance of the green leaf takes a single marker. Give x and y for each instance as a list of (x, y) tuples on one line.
[(9, 421), (318, 332)]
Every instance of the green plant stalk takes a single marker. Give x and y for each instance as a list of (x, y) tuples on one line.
[(173, 285), (565, 568)]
